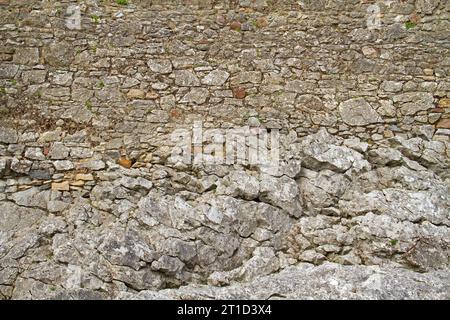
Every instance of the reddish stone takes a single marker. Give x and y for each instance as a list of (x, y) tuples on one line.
[(414, 18), (124, 162), (235, 25), (443, 123), (261, 22), (239, 93), (46, 151), (174, 113), (444, 103)]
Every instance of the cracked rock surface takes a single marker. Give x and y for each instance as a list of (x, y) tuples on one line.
[(91, 207)]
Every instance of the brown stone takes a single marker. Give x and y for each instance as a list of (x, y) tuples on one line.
[(444, 103), (78, 183), (235, 25), (174, 113), (239, 93), (84, 177), (428, 72), (414, 18), (152, 95), (443, 123), (61, 186), (136, 94), (437, 110), (261, 22), (124, 162)]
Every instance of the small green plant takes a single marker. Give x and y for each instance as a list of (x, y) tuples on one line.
[(393, 242), (260, 119), (409, 25), (254, 23), (13, 82), (2, 91), (52, 289), (122, 2), (95, 18), (4, 110), (94, 49), (101, 84), (88, 105)]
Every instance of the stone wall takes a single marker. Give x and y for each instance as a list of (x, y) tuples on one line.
[(91, 206)]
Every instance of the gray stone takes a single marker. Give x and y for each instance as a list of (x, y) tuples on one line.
[(3, 166), (247, 77), (31, 197), (27, 56), (196, 95), (166, 264), (58, 54), (216, 78), (392, 86), (34, 76), (21, 166), (58, 151), (413, 102), (34, 154), (282, 193), (426, 6), (8, 71), (8, 135), (63, 165), (186, 78), (81, 153), (357, 112), (239, 184), (160, 66), (136, 183), (309, 102), (62, 78), (328, 281)]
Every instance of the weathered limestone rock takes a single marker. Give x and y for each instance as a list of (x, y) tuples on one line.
[(26, 56), (357, 112), (216, 78), (411, 103), (352, 110), (58, 54), (186, 78), (196, 95), (8, 135), (328, 281), (160, 66)]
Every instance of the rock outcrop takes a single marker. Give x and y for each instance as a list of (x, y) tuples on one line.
[(93, 204)]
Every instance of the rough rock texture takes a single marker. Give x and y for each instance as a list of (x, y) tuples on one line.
[(328, 281), (92, 207)]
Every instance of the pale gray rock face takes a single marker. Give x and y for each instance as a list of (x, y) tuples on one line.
[(216, 78), (8, 135), (160, 66), (196, 96), (411, 103), (93, 207), (186, 78), (329, 281), (358, 112), (26, 56)]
